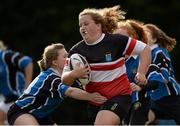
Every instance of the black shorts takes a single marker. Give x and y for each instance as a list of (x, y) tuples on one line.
[(120, 105), (167, 108), (15, 111), (9, 99), (138, 114)]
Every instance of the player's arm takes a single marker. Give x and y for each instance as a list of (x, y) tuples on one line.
[(149, 86), (145, 60), (144, 53), (136, 47), (28, 73), (25, 64), (68, 77), (77, 93)]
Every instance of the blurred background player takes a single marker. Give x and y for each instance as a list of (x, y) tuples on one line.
[(158, 73), (165, 100), (16, 71)]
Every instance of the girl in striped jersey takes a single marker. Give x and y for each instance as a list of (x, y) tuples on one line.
[(16, 72), (105, 52), (166, 98), (46, 92)]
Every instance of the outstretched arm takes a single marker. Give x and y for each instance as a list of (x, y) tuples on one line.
[(80, 94)]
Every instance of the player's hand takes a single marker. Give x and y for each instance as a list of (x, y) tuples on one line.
[(98, 98), (80, 72), (141, 79), (135, 87)]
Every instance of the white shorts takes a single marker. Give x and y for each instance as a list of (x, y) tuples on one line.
[(5, 106)]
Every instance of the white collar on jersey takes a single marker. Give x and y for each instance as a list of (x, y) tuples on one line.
[(154, 46), (97, 41), (55, 71), (132, 56)]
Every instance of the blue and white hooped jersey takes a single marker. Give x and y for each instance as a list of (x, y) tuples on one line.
[(43, 95), (12, 79)]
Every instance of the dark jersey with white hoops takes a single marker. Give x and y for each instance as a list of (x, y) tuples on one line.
[(107, 63)]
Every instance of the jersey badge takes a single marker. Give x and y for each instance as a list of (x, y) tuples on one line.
[(108, 57)]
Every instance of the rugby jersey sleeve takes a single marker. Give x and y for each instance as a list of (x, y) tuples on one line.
[(19, 60), (23, 63), (134, 47), (62, 88), (58, 89)]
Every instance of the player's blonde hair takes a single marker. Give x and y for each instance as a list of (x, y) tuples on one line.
[(50, 54), (2, 46), (107, 17)]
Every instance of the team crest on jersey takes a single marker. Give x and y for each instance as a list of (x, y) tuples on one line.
[(108, 57)]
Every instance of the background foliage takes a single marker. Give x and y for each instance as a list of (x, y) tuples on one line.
[(30, 25)]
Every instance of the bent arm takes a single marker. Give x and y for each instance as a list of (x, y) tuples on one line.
[(68, 78), (145, 60), (28, 72), (144, 52)]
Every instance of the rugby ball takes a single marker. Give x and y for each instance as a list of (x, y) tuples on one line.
[(74, 60)]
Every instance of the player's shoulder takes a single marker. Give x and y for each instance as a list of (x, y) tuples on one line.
[(116, 37), (77, 47), (80, 43)]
